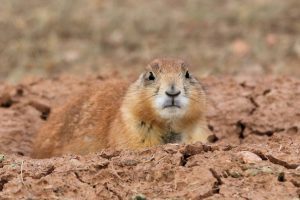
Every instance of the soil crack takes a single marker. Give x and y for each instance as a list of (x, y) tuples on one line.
[(79, 178), (259, 153), (241, 126), (254, 103), (268, 132), (46, 172), (216, 176), (274, 160), (82, 181), (277, 161), (2, 183), (112, 191), (215, 188), (295, 183), (50, 170)]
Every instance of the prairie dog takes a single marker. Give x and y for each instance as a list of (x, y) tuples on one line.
[(166, 104)]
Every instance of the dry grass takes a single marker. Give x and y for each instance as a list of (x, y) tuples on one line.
[(40, 37)]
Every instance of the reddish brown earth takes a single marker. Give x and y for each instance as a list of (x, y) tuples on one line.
[(256, 154)]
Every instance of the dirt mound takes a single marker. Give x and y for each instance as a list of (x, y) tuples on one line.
[(255, 154)]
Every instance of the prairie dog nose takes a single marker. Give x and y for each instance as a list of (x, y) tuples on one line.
[(173, 92)]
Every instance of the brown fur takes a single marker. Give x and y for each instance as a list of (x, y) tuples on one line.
[(120, 114)]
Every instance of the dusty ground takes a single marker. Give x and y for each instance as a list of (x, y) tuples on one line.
[(255, 154), (256, 121), (75, 36)]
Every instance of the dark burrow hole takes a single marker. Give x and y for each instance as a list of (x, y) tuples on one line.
[(49, 170)]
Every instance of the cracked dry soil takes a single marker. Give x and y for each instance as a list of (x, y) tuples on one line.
[(256, 117)]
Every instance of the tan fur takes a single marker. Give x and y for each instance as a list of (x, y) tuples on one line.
[(120, 115)]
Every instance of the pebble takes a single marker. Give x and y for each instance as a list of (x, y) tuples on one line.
[(252, 172), (249, 157), (234, 174), (75, 162), (267, 170)]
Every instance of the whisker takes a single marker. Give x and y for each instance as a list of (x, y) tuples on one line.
[(146, 98), (193, 99)]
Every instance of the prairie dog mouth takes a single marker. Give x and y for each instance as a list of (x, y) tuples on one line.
[(171, 103), (172, 106)]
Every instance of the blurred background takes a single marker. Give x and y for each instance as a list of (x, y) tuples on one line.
[(46, 38)]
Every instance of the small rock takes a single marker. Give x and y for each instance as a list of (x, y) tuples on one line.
[(251, 172), (192, 149), (249, 157), (139, 197), (171, 148), (75, 162), (109, 153), (212, 138), (2, 157), (234, 174), (266, 170), (129, 162)]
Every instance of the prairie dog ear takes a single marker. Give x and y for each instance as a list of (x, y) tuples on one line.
[(184, 65), (154, 65)]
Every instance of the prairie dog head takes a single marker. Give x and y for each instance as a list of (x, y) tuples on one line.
[(172, 90)]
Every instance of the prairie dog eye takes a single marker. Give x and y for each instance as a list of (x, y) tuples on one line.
[(151, 76), (187, 74)]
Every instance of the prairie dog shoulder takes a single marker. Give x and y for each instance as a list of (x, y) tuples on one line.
[(166, 104)]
